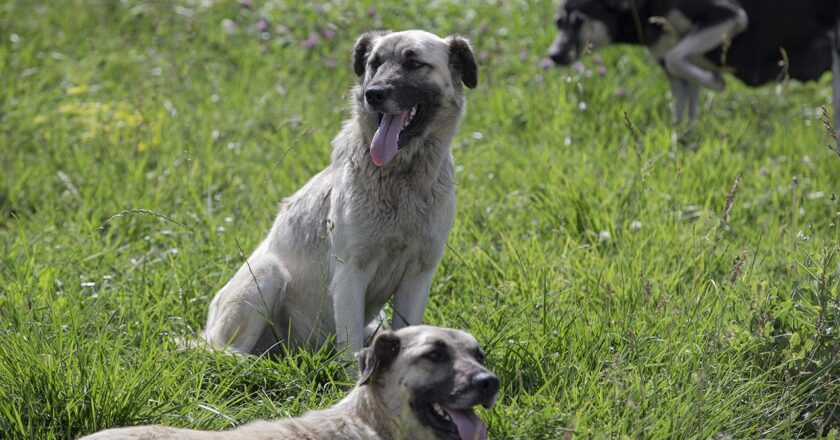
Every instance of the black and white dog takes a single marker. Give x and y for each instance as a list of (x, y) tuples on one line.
[(694, 40)]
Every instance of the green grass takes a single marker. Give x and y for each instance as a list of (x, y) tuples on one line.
[(141, 144)]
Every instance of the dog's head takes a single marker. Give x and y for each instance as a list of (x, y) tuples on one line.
[(410, 84), (583, 24), (430, 378)]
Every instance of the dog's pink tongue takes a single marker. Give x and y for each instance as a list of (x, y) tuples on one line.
[(470, 427), (383, 147)]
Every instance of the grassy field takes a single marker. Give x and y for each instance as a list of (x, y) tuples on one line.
[(622, 278)]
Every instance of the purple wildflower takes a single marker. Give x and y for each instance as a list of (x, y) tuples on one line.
[(311, 41), (246, 3), (602, 70), (578, 67), (597, 59), (483, 55), (371, 11), (328, 33), (331, 63), (320, 9), (262, 25), (546, 63), (620, 92), (523, 55)]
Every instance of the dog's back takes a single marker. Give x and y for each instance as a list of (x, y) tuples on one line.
[(801, 28), (155, 432)]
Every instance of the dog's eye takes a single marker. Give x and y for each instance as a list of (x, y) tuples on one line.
[(479, 356), (435, 356), (375, 63), (414, 65)]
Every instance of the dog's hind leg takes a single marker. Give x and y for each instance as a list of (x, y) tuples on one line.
[(729, 20), (243, 308)]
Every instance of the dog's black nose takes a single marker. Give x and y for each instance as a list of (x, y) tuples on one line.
[(486, 383), (376, 95)]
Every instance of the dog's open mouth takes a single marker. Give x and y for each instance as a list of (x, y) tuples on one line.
[(393, 133), (460, 424)]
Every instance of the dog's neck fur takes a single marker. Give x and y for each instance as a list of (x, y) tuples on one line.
[(365, 406), (361, 414), (369, 406)]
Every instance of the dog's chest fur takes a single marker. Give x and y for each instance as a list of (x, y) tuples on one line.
[(393, 225)]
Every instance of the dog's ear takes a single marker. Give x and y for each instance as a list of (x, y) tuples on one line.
[(383, 351), (362, 48), (462, 61)]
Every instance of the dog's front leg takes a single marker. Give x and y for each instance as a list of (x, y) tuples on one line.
[(686, 96), (693, 93), (678, 94), (379, 322), (348, 289), (411, 298)]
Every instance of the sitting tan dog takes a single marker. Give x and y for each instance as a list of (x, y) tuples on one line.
[(372, 226), (415, 383)]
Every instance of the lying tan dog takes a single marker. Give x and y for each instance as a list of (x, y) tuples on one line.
[(419, 382)]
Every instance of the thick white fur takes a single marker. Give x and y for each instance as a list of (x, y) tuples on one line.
[(355, 235)]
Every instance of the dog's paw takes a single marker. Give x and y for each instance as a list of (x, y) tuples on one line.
[(189, 344)]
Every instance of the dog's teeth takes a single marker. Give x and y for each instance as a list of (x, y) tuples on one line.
[(410, 117)]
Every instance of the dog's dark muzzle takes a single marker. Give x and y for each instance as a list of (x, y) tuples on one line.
[(376, 96), (561, 58), (399, 96), (482, 389), (486, 386), (563, 50)]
